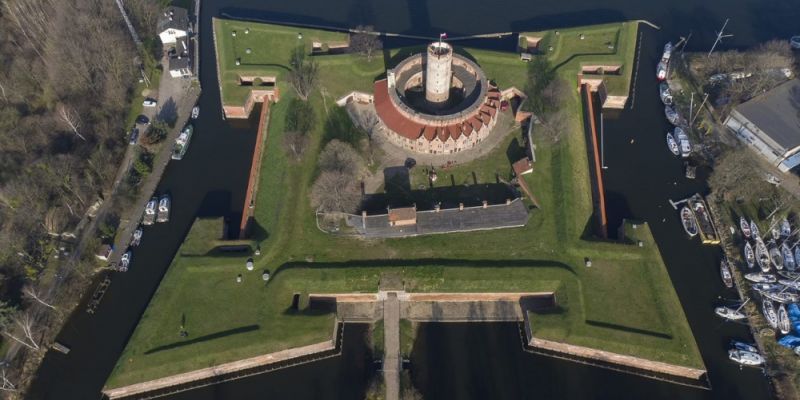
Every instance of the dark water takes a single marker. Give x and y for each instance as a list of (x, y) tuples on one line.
[(452, 361)]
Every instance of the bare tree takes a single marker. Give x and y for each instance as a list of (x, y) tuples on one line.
[(737, 175), (303, 73), (555, 125), (70, 119), (7, 385), (295, 143), (340, 157), (365, 41), (335, 191), (34, 294), (24, 323), (555, 94)]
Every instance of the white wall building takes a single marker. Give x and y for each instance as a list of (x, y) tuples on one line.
[(173, 25)]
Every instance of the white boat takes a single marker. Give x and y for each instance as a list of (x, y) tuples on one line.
[(667, 54), (661, 70), (688, 221), (137, 237), (664, 93), (789, 274), (725, 273), (775, 256), (788, 257), (125, 261), (791, 283), (182, 142), (769, 313), (745, 357), (782, 296), (683, 141), (749, 256), (672, 116), (776, 233), (794, 42), (745, 227), (754, 229), (757, 277), (744, 346), (766, 287), (796, 256), (149, 217), (672, 144), (784, 325), (195, 112), (762, 255), (730, 313), (786, 228), (163, 209)]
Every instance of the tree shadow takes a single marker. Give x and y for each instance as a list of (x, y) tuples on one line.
[(169, 112), (217, 335), (629, 329)]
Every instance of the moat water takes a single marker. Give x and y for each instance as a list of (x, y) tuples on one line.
[(479, 361)]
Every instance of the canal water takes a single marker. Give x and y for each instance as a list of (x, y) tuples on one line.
[(450, 361)]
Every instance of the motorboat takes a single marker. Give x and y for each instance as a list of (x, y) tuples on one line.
[(766, 287), (688, 221), (749, 256), (125, 261), (730, 313), (786, 228), (673, 145), (758, 277), (775, 255), (784, 324), (745, 357), (667, 54), (163, 208), (762, 255), (683, 141), (672, 116), (796, 256), (769, 313), (195, 112), (664, 93), (149, 217), (182, 142), (725, 273), (754, 229), (661, 70), (794, 42), (789, 274), (137, 236), (788, 257), (744, 346), (782, 296), (790, 283), (745, 227)]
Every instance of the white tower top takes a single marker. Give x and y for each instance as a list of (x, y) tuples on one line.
[(438, 74)]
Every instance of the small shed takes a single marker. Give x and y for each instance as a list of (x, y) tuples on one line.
[(522, 167), (104, 252), (403, 216)]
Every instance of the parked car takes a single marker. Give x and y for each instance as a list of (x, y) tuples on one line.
[(142, 119), (148, 102), (134, 136)]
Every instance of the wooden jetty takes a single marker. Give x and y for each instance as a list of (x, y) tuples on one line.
[(60, 348), (98, 294)]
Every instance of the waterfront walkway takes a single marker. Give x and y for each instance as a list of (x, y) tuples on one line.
[(391, 343)]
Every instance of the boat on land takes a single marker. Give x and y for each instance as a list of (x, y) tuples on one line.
[(758, 277), (672, 116), (730, 313), (745, 357), (786, 228), (744, 346), (766, 287), (745, 227), (784, 325), (137, 236), (683, 141), (182, 142), (775, 255), (769, 313), (705, 225), (754, 229), (673, 145), (789, 274), (664, 93), (150, 211), (725, 273), (782, 296), (163, 208), (688, 221), (796, 257), (195, 112), (788, 257), (762, 255), (790, 283), (749, 256)]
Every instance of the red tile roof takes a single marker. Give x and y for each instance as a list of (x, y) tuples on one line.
[(390, 116)]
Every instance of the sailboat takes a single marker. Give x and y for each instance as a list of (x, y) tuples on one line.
[(769, 313), (784, 325), (672, 116), (725, 273), (749, 256), (786, 228), (754, 229), (672, 144), (745, 357), (788, 258), (688, 221), (730, 313), (745, 227), (762, 255), (775, 255), (664, 93), (757, 277)]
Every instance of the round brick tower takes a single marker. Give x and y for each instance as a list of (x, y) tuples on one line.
[(438, 74)]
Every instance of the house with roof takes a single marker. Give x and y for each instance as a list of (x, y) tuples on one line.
[(173, 24), (180, 60), (770, 125)]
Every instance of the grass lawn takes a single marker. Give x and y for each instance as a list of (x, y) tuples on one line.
[(624, 303)]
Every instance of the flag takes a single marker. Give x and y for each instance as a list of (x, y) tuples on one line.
[(442, 36)]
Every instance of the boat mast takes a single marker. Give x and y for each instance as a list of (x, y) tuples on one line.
[(721, 34)]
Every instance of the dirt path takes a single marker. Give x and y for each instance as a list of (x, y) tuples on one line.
[(391, 344)]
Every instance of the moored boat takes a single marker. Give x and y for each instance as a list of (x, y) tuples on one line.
[(786, 228), (784, 325), (667, 54), (163, 209), (775, 255), (725, 273), (762, 255), (796, 256), (125, 261), (754, 229), (195, 112), (745, 227), (688, 221), (789, 274), (744, 346), (782, 296), (664, 93), (766, 287), (794, 42), (769, 313), (683, 142), (661, 70), (672, 116), (182, 142), (672, 144), (788, 257), (137, 236), (730, 313), (749, 256), (745, 357), (760, 277), (149, 217), (791, 283)]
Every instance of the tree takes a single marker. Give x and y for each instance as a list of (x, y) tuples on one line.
[(7, 385), (556, 125), (295, 143), (365, 41), (303, 73), (540, 75), (157, 132), (737, 175), (70, 119), (301, 117), (335, 191), (24, 323), (33, 293), (341, 157)]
